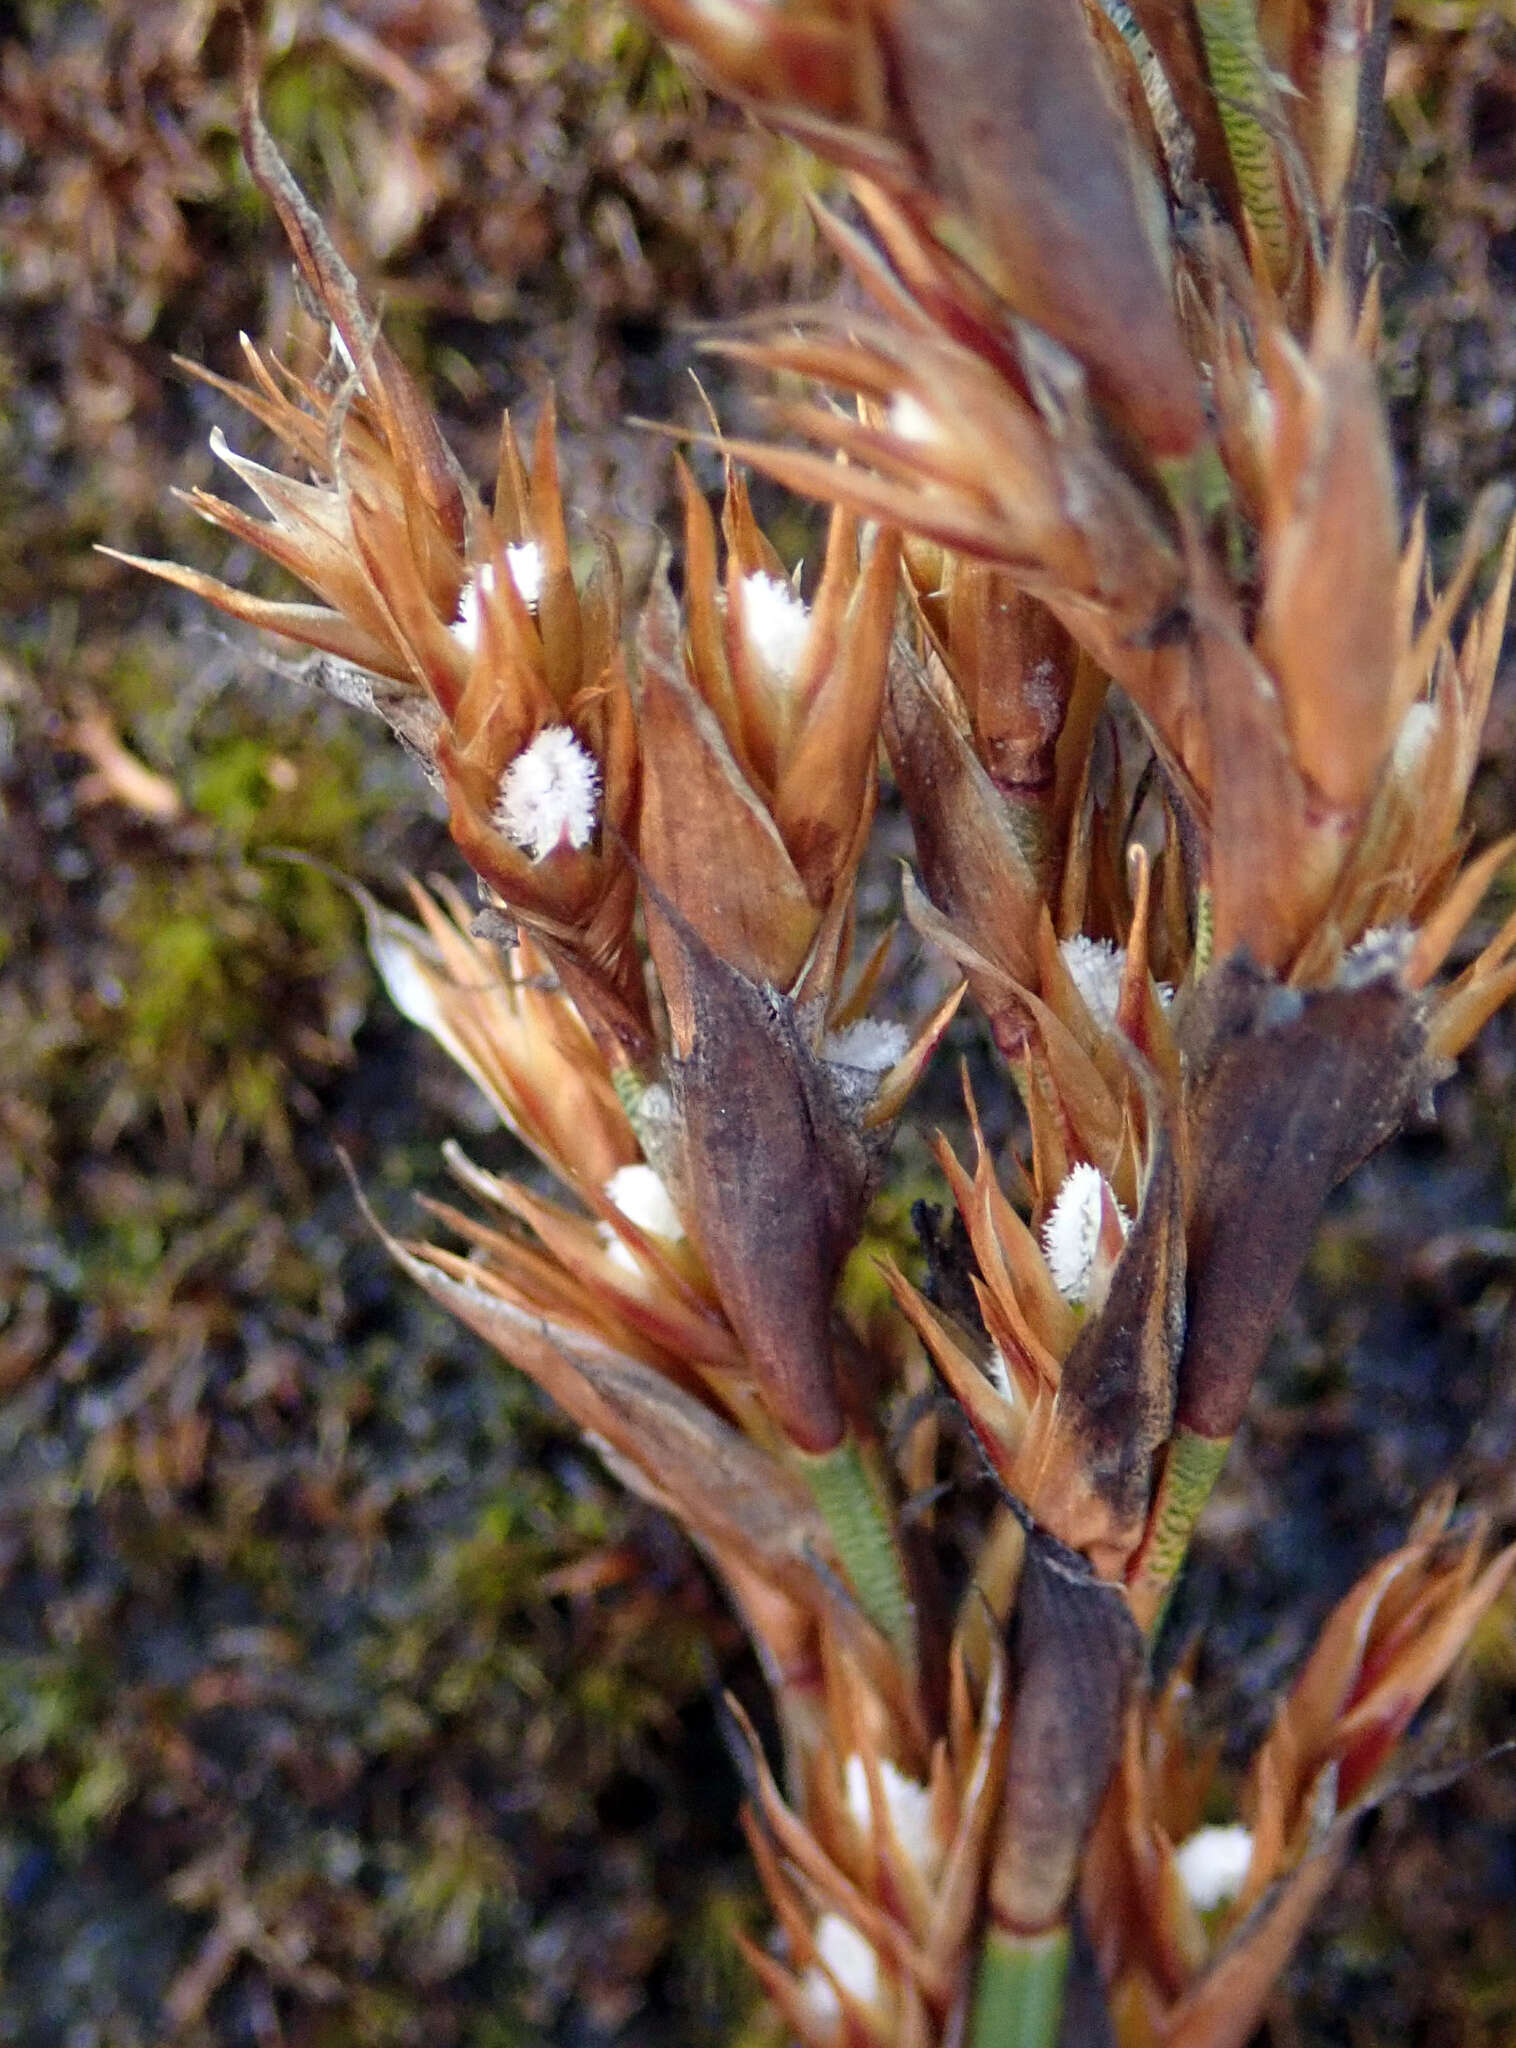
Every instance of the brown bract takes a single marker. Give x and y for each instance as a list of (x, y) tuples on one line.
[(1190, 1982), (393, 540), (779, 1174), (997, 129), (890, 1839), (1242, 581), (759, 720), (504, 1018), (1285, 1093), (1075, 1655)]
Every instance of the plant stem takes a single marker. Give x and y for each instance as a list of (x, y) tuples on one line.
[(1018, 2002), (1190, 1471), (858, 1516), (1239, 72)]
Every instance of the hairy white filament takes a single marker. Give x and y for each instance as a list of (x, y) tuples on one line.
[(1095, 968), (908, 1804), (1213, 1865), (639, 1193), (872, 1044), (912, 421), (1071, 1234), (776, 624), (850, 1959), (549, 794), (525, 565)]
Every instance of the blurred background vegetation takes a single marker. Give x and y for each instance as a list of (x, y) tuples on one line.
[(343, 1701)]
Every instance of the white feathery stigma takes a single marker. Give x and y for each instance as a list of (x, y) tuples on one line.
[(776, 625), (465, 628), (524, 560), (1213, 1865), (913, 421), (1071, 1233), (549, 794), (852, 1962), (1095, 968), (1413, 739), (1383, 949), (525, 565), (639, 1193), (873, 1044), (1000, 1374), (908, 1804)]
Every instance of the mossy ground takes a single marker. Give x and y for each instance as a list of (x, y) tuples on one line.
[(342, 1699)]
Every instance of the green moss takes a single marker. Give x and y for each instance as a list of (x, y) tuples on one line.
[(47, 1703), (51, 1707), (309, 99), (183, 977), (94, 1799)]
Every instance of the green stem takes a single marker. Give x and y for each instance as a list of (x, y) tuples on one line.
[(630, 1088), (1018, 2001), (1239, 76), (1205, 933), (1191, 1469), (863, 1529)]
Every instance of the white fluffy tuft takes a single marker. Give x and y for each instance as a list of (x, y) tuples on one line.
[(912, 421), (852, 1962), (1213, 1865), (1413, 739), (908, 1803), (1095, 966), (525, 565), (872, 1044), (1383, 949), (1000, 1374), (639, 1193), (465, 628), (776, 625), (1072, 1232), (549, 794)]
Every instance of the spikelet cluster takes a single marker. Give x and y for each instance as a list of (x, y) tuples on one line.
[(1116, 582)]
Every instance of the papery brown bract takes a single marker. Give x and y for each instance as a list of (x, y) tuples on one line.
[(1330, 543), (760, 785), (1116, 1392), (709, 843), (1179, 1982), (1014, 668), (778, 1178), (1074, 1654), (1286, 1093), (391, 536), (975, 868), (508, 1026), (1024, 142)]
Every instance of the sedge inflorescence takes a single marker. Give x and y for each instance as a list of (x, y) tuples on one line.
[(1114, 582)]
